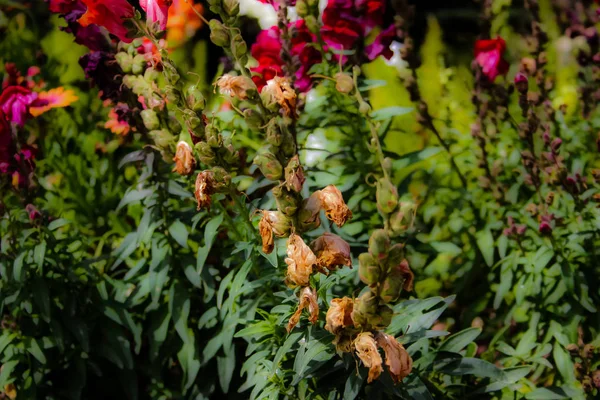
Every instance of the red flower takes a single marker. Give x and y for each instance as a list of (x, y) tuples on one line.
[(488, 55), (62, 6), (109, 14), (157, 10)]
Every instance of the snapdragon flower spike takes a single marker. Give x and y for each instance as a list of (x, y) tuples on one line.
[(488, 55), (109, 14), (157, 11)]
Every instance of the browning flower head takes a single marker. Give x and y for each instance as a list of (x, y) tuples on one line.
[(331, 251), (235, 86), (278, 90), (294, 174), (409, 276), (184, 159), (205, 187), (272, 223), (308, 217), (366, 350), (308, 298), (397, 358), (300, 260), (339, 315), (334, 205)]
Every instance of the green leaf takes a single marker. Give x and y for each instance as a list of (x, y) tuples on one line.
[(6, 371), (460, 340), (179, 232), (485, 242), (41, 296), (210, 231), (32, 346), (547, 394), (39, 253), (58, 223), (18, 267), (188, 360), (563, 362), (469, 366), (353, 385), (225, 367), (390, 112)]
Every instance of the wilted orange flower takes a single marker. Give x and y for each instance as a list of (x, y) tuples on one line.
[(115, 125), (184, 159), (278, 90), (300, 260), (339, 315), (205, 187), (235, 86), (109, 14), (53, 98), (366, 349), (331, 251), (397, 358), (272, 223), (334, 205), (308, 298), (183, 22)]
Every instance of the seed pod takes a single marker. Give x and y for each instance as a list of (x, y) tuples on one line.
[(222, 179), (125, 61), (254, 119), (399, 277), (170, 73), (294, 174), (139, 64), (308, 216), (287, 202), (162, 138), (218, 33), (230, 155), (173, 123), (368, 269), (269, 166), (213, 137), (382, 318), (191, 119), (205, 153), (150, 119), (379, 244), (238, 46), (151, 75), (365, 307), (387, 196), (274, 136), (195, 98), (343, 82), (231, 7), (173, 94), (395, 255), (404, 218)]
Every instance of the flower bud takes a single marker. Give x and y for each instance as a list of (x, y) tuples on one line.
[(311, 23), (344, 82), (195, 98), (125, 61), (287, 201), (184, 159), (379, 244), (387, 196), (139, 64), (238, 46), (230, 155), (213, 137), (204, 188), (218, 33), (32, 212), (301, 8), (274, 136), (331, 251), (395, 255), (269, 166), (231, 7), (368, 269), (150, 119), (151, 75), (288, 147), (205, 153), (300, 260), (555, 145), (162, 138), (294, 174), (521, 83), (364, 108), (191, 119), (339, 315), (366, 350), (403, 219)]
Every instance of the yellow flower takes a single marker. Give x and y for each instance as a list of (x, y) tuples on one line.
[(54, 98)]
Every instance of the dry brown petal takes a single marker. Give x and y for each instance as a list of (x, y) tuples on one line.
[(397, 358), (205, 187), (280, 91), (366, 349), (409, 277), (308, 298), (184, 159), (334, 205), (300, 260), (331, 251), (339, 315), (266, 233), (343, 343), (235, 86), (10, 391), (272, 223), (308, 217)]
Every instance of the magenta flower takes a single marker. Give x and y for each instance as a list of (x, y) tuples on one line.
[(15, 102), (488, 55), (157, 11), (381, 45)]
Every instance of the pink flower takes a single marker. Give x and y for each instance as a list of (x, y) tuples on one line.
[(33, 212), (15, 102), (381, 45), (109, 14), (488, 55), (157, 11)]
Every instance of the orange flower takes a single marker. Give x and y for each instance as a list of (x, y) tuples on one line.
[(339, 315), (366, 349), (300, 261), (331, 251), (308, 298), (53, 98), (117, 127), (183, 22), (109, 14), (397, 358), (184, 159)]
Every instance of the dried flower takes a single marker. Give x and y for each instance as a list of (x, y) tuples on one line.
[(272, 223), (366, 349), (294, 174), (331, 251), (235, 86), (300, 260), (10, 391), (339, 315), (397, 358), (278, 90), (205, 187), (308, 298), (334, 205), (184, 159), (308, 217)]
